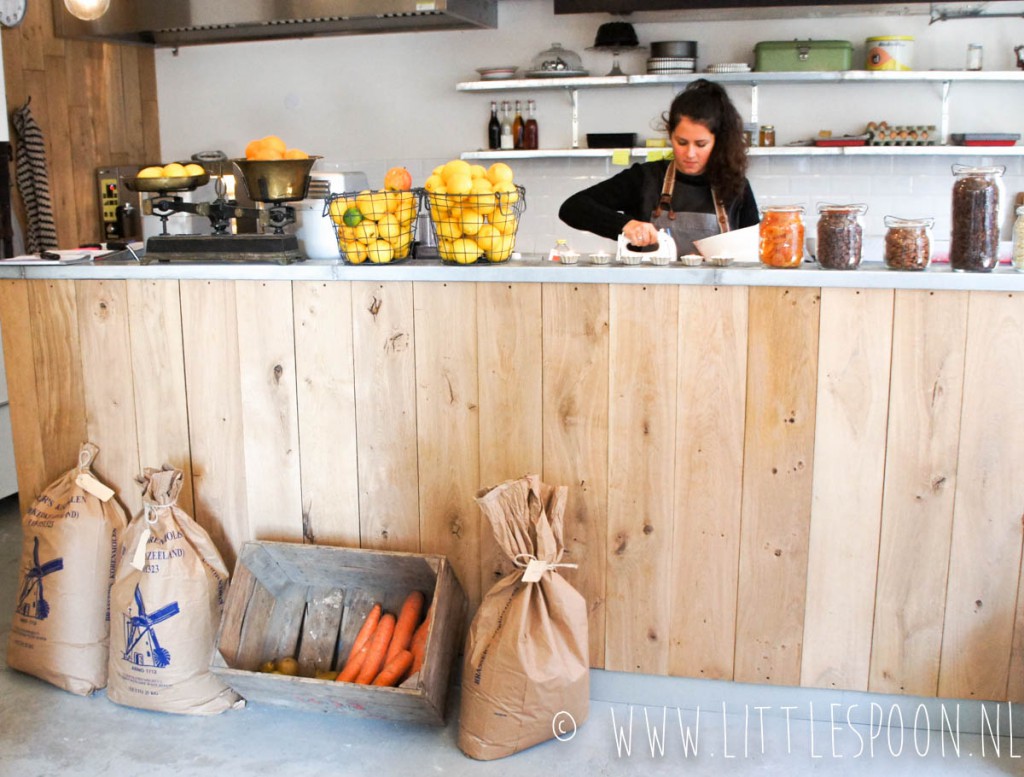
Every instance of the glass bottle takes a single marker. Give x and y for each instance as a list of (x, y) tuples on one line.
[(561, 247), (781, 236), (531, 135), (767, 136), (840, 236), (908, 243), (507, 138), (517, 126), (1018, 240), (494, 129), (974, 242)]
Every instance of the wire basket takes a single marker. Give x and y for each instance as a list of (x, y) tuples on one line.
[(470, 228), (374, 226)]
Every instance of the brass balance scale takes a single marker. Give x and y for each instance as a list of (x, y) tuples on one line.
[(272, 182)]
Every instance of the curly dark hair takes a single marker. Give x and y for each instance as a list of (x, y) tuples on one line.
[(707, 103)]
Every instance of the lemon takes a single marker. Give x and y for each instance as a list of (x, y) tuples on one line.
[(193, 170), (456, 167), (366, 231), (388, 228), (465, 250), (287, 665), (459, 183), (380, 252), (150, 172), (499, 172), (434, 183), (501, 248), (175, 170), (486, 236), (351, 216), (372, 204), (505, 222), (437, 170), (406, 211), (478, 172), (507, 194), (355, 252), (471, 222), (449, 229)]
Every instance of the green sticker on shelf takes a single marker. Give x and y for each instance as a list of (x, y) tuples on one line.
[(620, 156)]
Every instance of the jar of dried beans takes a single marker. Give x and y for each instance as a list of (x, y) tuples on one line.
[(782, 235), (908, 243), (974, 242), (840, 236)]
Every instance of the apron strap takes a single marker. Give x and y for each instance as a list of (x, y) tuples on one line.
[(665, 200)]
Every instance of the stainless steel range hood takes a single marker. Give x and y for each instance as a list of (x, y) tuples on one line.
[(191, 22)]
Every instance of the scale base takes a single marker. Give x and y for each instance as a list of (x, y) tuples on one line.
[(283, 249)]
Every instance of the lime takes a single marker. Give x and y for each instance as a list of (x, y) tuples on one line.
[(352, 217)]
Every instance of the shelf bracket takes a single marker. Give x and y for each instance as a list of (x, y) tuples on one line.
[(574, 99), (944, 115), (753, 103)]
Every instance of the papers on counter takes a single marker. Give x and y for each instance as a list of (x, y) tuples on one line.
[(60, 256)]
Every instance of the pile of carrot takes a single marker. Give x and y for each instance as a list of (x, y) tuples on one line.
[(387, 648)]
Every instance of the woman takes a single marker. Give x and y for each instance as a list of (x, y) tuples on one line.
[(702, 191)]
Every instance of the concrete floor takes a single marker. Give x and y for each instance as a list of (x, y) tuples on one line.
[(45, 731)]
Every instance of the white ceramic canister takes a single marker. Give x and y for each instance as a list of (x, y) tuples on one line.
[(890, 52)]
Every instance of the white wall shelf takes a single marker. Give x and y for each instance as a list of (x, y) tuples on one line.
[(642, 153), (942, 78)]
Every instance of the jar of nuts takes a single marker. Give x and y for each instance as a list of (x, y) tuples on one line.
[(908, 243), (840, 236), (974, 242)]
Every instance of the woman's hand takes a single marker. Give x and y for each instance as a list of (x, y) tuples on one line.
[(640, 233)]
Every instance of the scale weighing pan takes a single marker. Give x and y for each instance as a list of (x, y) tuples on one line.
[(167, 184), (275, 180)]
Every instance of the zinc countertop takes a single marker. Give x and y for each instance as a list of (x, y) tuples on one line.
[(533, 269)]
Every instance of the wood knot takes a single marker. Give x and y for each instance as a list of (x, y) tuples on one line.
[(648, 529)]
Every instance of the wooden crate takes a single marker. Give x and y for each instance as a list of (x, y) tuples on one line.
[(308, 601)]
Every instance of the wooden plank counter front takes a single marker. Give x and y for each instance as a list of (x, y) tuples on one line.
[(792, 485)]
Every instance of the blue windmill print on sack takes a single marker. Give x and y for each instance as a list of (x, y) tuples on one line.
[(141, 645), (31, 602)]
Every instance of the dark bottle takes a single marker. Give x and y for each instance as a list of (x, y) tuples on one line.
[(517, 127), (531, 137), (494, 129)]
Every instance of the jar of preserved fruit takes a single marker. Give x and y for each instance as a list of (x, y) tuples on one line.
[(781, 235), (908, 243), (1018, 240), (974, 242), (840, 236)]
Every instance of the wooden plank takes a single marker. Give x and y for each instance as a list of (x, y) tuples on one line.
[(385, 380), (131, 89), (778, 456), (252, 643), (852, 408), (448, 427), (358, 603), (229, 632), (929, 333), (643, 360), (150, 106), (318, 639), (711, 395), (1015, 684), (266, 359), (575, 400), (56, 126), (16, 326), (510, 348), (325, 383), (120, 146), (985, 558), (158, 364), (214, 397), (58, 369), (108, 384)]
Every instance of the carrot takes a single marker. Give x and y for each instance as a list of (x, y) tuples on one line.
[(377, 649), (419, 642), (355, 663), (395, 669), (408, 618), (368, 627)]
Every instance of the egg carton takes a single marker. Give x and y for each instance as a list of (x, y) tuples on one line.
[(884, 134)]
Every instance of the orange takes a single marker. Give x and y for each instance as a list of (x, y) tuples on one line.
[(274, 143), (294, 153)]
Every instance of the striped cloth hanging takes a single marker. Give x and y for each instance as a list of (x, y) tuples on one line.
[(33, 182)]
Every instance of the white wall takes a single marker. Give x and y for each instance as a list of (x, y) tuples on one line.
[(372, 101)]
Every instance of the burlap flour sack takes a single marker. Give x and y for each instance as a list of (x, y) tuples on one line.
[(165, 608), (526, 656), (61, 616)]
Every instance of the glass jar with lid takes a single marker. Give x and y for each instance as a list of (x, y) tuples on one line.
[(974, 242), (781, 235), (908, 243), (1018, 240), (840, 236)]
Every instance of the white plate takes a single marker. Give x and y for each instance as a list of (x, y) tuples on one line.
[(496, 73), (556, 73)]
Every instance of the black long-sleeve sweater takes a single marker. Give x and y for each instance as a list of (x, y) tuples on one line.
[(605, 207)]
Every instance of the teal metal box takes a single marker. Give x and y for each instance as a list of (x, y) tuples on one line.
[(802, 55)]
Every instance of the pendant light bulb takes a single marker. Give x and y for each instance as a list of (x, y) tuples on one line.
[(87, 10)]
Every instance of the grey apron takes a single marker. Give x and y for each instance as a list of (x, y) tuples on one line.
[(685, 227)]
